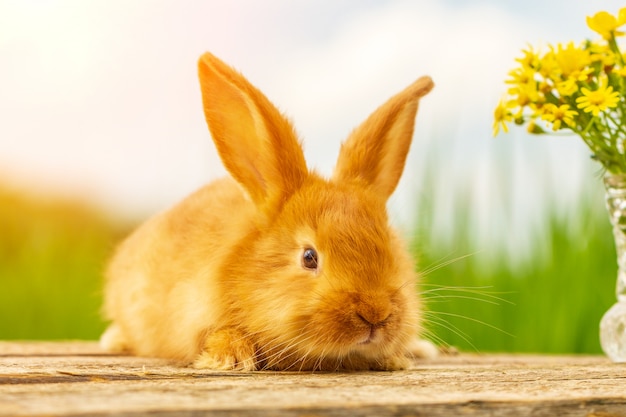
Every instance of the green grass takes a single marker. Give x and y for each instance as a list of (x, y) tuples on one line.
[(52, 255), (551, 304)]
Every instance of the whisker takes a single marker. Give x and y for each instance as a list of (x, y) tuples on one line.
[(434, 267), (453, 329), (290, 347), (475, 321), (432, 336), (432, 318), (463, 289), (444, 298)]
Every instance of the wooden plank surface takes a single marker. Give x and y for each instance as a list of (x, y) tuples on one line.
[(76, 379)]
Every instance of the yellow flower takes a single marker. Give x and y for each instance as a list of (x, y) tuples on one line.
[(521, 76), (558, 115), (525, 95), (534, 128), (606, 24), (545, 87), (598, 100), (502, 115), (548, 67), (530, 58), (567, 88), (573, 61), (602, 54)]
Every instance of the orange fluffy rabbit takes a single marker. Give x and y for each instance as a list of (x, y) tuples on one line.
[(275, 267)]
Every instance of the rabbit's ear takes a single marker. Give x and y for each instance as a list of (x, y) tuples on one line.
[(375, 152), (257, 145)]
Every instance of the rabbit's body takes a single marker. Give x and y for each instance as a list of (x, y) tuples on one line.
[(165, 294), (277, 267)]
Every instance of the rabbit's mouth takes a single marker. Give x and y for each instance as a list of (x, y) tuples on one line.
[(371, 336)]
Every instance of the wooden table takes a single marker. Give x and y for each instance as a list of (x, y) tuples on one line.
[(77, 379)]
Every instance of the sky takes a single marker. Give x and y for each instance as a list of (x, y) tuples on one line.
[(100, 98)]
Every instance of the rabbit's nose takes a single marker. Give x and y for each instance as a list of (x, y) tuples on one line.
[(372, 322), (374, 316)]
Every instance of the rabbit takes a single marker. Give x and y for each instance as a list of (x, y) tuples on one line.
[(275, 267)]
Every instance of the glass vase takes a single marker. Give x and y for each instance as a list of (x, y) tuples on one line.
[(613, 323)]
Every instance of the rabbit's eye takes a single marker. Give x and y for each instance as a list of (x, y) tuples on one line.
[(309, 259)]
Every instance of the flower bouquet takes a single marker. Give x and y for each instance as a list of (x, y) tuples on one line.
[(581, 89)]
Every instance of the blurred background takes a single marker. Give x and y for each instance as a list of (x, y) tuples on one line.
[(101, 126)]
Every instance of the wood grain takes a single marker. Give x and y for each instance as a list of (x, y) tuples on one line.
[(77, 379)]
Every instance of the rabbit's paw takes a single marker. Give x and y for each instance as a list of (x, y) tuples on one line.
[(388, 363), (227, 349), (113, 340), (422, 349), (391, 363)]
